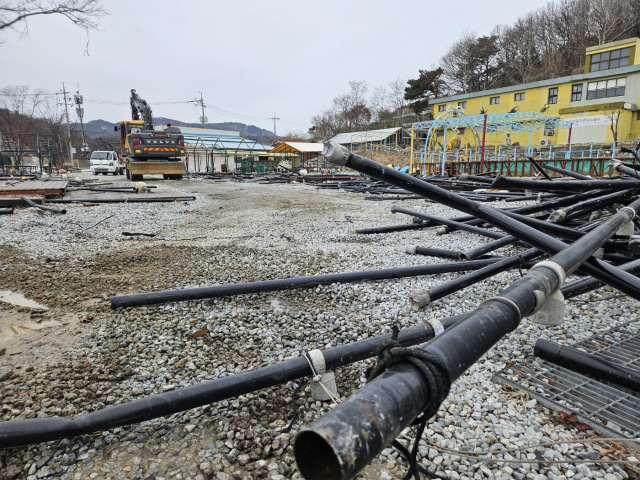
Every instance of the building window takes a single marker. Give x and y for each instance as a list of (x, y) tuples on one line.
[(611, 59), (494, 100), (576, 92), (441, 108), (519, 97), (553, 95), (606, 88), (439, 133), (462, 104)]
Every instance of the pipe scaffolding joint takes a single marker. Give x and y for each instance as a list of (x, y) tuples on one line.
[(557, 269), (420, 300)]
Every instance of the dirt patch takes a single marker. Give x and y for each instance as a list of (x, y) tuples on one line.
[(29, 336)]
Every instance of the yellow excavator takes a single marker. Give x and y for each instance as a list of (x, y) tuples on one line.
[(146, 150)]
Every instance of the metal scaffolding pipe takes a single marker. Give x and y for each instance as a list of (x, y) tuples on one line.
[(450, 223), (152, 298), (585, 285), (539, 168), (488, 247), (14, 433), (422, 299), (614, 277), (434, 252), (569, 186), (568, 173), (591, 365), (31, 203), (6, 211)]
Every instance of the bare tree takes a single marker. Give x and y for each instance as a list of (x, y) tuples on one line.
[(20, 109), (380, 104), (613, 114), (396, 94), (610, 19), (14, 14)]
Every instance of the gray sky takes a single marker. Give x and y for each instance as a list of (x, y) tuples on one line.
[(249, 58)]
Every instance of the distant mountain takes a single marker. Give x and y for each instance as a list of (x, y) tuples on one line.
[(96, 128)]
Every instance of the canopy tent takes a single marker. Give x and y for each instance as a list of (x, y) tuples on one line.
[(299, 153)]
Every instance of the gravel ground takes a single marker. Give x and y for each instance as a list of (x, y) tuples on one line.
[(80, 356)]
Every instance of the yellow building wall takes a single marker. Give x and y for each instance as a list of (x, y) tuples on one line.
[(536, 99), (633, 43)]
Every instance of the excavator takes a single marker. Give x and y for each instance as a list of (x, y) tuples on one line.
[(146, 150)]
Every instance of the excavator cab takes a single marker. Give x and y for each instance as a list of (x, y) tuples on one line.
[(126, 128)]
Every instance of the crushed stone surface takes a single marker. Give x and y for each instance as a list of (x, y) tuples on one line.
[(78, 355)]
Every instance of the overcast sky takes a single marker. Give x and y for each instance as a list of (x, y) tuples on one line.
[(249, 58)]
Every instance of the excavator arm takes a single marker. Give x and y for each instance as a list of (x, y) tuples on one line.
[(108, 145), (140, 110)]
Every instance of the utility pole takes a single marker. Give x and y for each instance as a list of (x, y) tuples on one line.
[(80, 111), (200, 102), (66, 109), (274, 118), (204, 119)]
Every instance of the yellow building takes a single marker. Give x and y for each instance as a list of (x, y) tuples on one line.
[(609, 88)]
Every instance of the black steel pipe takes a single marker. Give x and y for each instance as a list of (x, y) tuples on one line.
[(14, 433), (614, 277), (560, 231), (345, 440), (152, 298), (539, 168), (450, 223), (389, 228), (568, 186), (488, 247), (31, 203), (622, 168), (434, 252), (568, 173), (585, 285), (137, 199), (422, 299), (581, 362)]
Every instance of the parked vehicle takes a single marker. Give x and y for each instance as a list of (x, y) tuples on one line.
[(105, 162)]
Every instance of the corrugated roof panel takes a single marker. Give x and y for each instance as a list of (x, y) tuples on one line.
[(367, 136), (302, 147)]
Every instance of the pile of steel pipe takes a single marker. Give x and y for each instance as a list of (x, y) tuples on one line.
[(373, 417)]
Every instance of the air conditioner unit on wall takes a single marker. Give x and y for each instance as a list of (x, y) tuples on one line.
[(544, 142)]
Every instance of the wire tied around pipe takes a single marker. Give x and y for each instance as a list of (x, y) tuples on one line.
[(438, 378)]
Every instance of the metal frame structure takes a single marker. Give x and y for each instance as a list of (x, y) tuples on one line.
[(16, 146), (454, 119), (225, 146)]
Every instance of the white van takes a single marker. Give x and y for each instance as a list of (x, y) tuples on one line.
[(106, 162)]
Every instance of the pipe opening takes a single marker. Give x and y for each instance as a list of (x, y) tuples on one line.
[(315, 458)]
